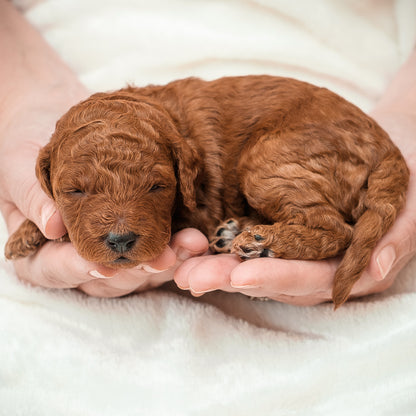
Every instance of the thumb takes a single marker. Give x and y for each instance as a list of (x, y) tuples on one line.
[(398, 246), (189, 242), (51, 224), (35, 205), (25, 192), (184, 244)]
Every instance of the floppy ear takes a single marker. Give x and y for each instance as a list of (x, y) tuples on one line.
[(186, 157), (188, 165), (43, 169), (185, 154)]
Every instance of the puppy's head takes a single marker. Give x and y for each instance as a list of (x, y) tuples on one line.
[(114, 167)]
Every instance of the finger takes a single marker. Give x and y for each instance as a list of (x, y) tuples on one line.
[(184, 244), (204, 274), (28, 196), (398, 246), (207, 273), (275, 277), (102, 289), (56, 265), (53, 223), (121, 284), (298, 282), (188, 243), (366, 285), (126, 281), (42, 211), (163, 262), (142, 277)]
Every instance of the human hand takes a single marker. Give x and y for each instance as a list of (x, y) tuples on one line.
[(310, 282), (57, 265), (39, 90)]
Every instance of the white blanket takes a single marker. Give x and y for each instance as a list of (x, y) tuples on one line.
[(162, 353)]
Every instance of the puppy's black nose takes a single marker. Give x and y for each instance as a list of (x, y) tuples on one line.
[(120, 243)]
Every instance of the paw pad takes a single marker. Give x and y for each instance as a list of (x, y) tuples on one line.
[(266, 253), (224, 235), (221, 243), (220, 232)]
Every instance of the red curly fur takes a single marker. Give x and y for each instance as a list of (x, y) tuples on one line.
[(264, 166)]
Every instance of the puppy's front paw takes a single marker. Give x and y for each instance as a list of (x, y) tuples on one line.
[(24, 242), (253, 243), (224, 236)]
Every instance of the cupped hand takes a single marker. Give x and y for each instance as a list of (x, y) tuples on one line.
[(310, 282), (58, 265), (23, 131)]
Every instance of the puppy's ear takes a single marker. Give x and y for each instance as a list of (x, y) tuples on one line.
[(43, 169), (185, 154), (188, 163)]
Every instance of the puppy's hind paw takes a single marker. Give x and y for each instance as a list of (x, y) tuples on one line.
[(24, 242), (224, 235)]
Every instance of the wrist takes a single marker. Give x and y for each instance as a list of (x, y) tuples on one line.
[(34, 75), (401, 127)]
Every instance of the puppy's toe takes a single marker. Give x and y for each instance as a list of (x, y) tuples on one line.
[(224, 236), (252, 243)]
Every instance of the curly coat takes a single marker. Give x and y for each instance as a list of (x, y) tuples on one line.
[(264, 166)]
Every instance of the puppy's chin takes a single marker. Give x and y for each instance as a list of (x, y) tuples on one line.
[(127, 260), (123, 262)]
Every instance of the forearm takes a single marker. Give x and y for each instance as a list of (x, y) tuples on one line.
[(30, 67), (400, 95)]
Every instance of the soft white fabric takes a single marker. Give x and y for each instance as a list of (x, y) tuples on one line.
[(162, 353)]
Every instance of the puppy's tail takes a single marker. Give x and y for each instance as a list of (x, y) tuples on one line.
[(385, 197)]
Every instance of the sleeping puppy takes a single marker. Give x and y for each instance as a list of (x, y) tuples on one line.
[(264, 166)]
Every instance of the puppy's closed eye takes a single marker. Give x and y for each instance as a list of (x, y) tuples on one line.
[(156, 187), (76, 192)]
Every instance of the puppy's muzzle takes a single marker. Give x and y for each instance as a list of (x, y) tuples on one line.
[(121, 243)]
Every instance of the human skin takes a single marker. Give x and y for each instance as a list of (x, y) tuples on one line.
[(310, 282), (41, 88)]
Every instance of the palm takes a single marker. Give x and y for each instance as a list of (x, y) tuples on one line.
[(310, 282)]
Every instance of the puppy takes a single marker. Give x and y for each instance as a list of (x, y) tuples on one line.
[(264, 166)]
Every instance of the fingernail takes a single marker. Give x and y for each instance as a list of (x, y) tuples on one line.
[(183, 288), (46, 214), (98, 275), (201, 292), (243, 286), (196, 294), (385, 261), (149, 269)]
